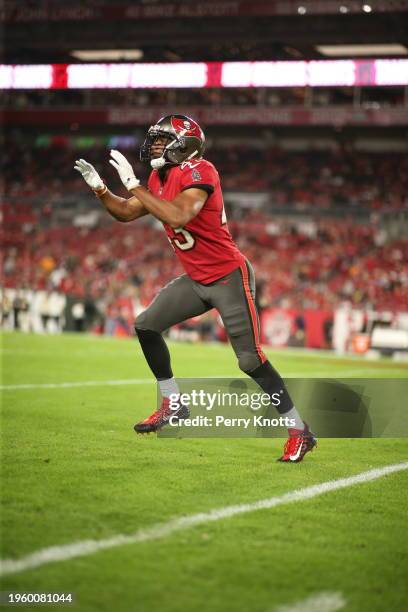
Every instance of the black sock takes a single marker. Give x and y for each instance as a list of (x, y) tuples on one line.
[(271, 382), (156, 353)]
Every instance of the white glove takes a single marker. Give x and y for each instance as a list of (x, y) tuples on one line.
[(124, 169), (89, 174)]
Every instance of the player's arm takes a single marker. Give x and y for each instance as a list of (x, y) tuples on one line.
[(185, 206), (122, 209), (177, 213)]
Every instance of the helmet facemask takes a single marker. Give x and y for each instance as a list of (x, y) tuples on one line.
[(146, 149)]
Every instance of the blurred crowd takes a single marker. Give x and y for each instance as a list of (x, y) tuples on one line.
[(58, 241), (309, 180), (303, 264), (317, 179), (318, 264)]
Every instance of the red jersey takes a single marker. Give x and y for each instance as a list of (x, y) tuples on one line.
[(204, 245)]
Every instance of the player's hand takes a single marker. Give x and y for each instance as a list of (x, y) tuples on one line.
[(124, 169), (89, 174)]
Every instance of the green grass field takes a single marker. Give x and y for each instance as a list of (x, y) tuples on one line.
[(73, 470)]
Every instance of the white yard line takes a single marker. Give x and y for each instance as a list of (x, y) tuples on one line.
[(163, 530), (320, 602)]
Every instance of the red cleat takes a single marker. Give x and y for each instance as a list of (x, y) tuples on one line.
[(161, 417), (298, 444)]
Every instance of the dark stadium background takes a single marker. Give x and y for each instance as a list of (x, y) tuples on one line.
[(315, 179)]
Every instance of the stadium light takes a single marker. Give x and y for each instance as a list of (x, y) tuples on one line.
[(361, 50), (367, 8), (108, 55)]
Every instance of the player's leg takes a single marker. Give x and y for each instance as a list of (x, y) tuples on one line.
[(176, 302), (234, 298)]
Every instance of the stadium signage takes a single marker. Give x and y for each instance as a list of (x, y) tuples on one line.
[(320, 73), (47, 11), (225, 115)]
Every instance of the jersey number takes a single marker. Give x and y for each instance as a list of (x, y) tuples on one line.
[(188, 241)]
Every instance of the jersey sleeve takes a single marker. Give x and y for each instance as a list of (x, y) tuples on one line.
[(200, 175)]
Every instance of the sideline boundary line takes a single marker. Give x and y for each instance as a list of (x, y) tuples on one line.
[(147, 381), (84, 383)]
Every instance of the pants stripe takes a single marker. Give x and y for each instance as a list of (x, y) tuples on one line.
[(252, 312)]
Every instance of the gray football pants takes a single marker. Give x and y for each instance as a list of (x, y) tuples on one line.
[(232, 295)]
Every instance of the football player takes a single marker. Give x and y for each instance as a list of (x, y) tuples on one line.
[(184, 193)]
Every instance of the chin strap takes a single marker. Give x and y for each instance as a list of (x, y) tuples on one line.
[(158, 163)]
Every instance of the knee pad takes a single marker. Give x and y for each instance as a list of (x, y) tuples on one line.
[(248, 362)]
